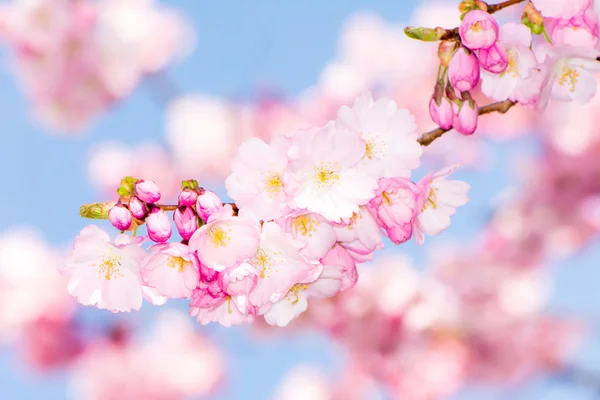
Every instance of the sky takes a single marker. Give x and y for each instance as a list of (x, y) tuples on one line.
[(241, 47)]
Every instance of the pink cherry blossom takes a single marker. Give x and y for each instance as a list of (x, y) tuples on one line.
[(137, 207), (211, 304), (339, 258), (494, 59), (441, 113), (225, 240), (207, 204), (295, 302), (561, 8), (313, 230), (239, 279), (324, 169), (186, 222), (466, 115), (478, 30), (257, 181), (360, 235), (438, 202), (463, 70), (521, 80), (171, 269), (395, 207), (159, 226), (280, 266), (187, 197), (120, 217), (389, 135), (147, 191), (105, 274), (578, 31)]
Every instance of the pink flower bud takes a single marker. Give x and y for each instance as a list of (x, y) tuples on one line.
[(579, 31), (494, 59), (478, 30), (207, 204), (466, 115), (137, 207), (147, 191), (120, 217), (442, 113), (158, 225), (187, 198), (463, 71), (186, 222)]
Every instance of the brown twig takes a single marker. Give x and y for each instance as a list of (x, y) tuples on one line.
[(500, 107), (492, 8)]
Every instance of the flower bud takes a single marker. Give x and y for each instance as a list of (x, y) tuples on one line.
[(207, 204), (441, 113), (137, 207), (494, 59), (158, 225), (187, 197), (467, 5), (96, 210), (445, 52), (463, 71), (580, 31), (478, 30), (186, 222), (466, 114), (120, 217), (147, 191)]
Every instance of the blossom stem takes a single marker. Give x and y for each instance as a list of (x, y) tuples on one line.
[(500, 107), (165, 207), (492, 8)]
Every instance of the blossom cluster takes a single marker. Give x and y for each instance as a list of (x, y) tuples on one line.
[(77, 58), (308, 208), (550, 54)]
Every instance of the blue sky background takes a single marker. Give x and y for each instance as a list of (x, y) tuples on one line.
[(242, 46)]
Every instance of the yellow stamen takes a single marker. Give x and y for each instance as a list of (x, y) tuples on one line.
[(304, 225), (569, 76), (273, 184), (431, 199), (218, 236), (294, 292), (326, 175), (176, 263)]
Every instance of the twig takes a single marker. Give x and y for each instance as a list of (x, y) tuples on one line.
[(500, 107), (492, 8)]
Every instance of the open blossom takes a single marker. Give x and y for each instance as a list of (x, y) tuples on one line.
[(395, 207), (360, 235), (295, 301), (521, 80), (239, 279), (225, 239), (171, 269), (257, 181), (438, 201), (104, 273), (280, 266), (478, 30), (389, 135), (314, 231), (578, 31), (568, 74), (211, 304), (561, 8), (324, 171)]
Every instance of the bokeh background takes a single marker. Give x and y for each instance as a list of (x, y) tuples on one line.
[(249, 53)]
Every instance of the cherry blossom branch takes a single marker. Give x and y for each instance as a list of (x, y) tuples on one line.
[(500, 107), (492, 8)]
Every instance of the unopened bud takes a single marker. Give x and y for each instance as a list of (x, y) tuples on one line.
[(120, 217), (469, 5), (533, 19), (147, 191), (425, 34), (96, 210), (127, 186), (445, 51), (186, 222), (187, 197), (158, 226), (137, 207)]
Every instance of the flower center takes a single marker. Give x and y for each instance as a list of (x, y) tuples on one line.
[(177, 263), (263, 261), (111, 266), (326, 175), (304, 225), (569, 76), (292, 295), (512, 67), (477, 27), (273, 184), (218, 236), (431, 199), (386, 198)]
